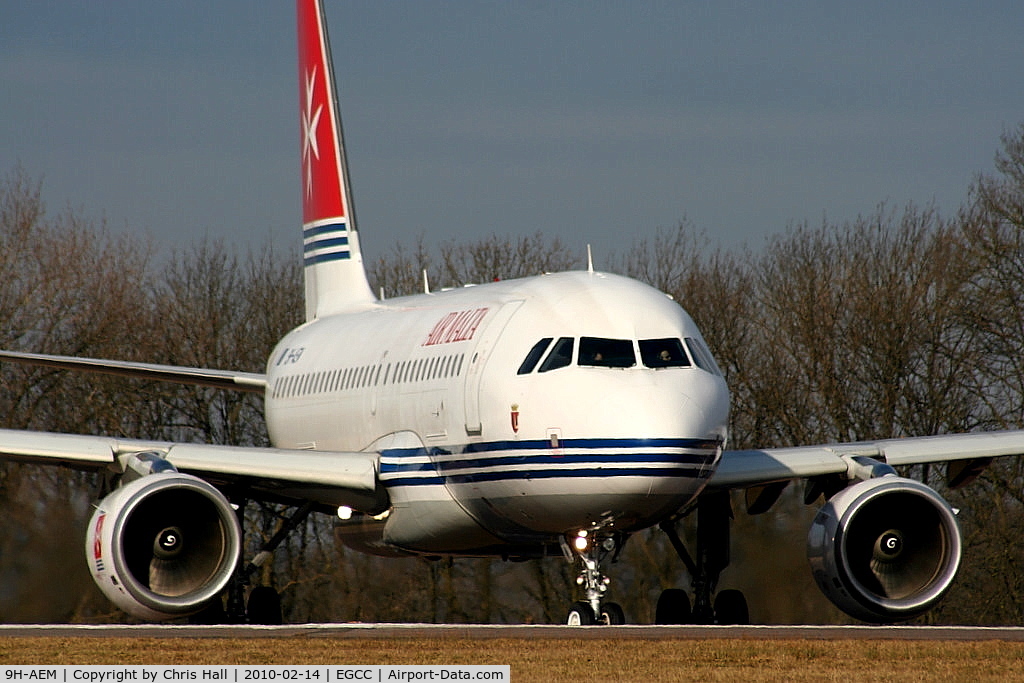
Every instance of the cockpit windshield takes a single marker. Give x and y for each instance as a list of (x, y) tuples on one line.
[(663, 353), (534, 356), (667, 352), (607, 353), (560, 356), (701, 356)]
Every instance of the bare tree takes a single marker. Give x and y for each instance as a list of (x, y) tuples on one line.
[(992, 508), (862, 330), (503, 258), (66, 287), (401, 273)]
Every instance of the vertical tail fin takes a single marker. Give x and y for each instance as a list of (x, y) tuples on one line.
[(335, 276)]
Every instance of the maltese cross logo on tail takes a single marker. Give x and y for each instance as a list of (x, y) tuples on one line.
[(310, 148), (323, 197)]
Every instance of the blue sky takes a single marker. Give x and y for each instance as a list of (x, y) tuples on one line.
[(594, 121)]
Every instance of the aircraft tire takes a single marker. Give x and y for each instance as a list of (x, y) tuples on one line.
[(612, 614), (264, 606), (731, 608), (580, 614), (673, 607)]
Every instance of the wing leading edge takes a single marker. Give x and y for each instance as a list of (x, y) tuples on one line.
[(329, 478), (742, 469)]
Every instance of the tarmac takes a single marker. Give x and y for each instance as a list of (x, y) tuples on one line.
[(483, 632)]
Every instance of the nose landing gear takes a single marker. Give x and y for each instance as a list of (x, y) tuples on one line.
[(591, 548)]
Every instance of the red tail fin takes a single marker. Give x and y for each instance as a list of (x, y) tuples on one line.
[(323, 195), (335, 279)]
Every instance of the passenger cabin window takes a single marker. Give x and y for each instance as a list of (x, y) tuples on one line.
[(533, 357), (607, 353), (560, 356), (663, 353)]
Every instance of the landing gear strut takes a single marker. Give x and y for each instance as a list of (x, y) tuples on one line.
[(264, 606), (714, 514), (591, 549)]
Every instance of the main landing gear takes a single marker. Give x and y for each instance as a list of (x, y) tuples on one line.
[(714, 513), (591, 548), (264, 603)]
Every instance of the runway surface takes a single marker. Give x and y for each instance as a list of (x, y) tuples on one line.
[(393, 631)]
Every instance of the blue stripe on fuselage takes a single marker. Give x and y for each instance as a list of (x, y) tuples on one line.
[(675, 463), (543, 444)]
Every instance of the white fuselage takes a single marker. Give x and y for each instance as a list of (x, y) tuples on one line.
[(480, 450)]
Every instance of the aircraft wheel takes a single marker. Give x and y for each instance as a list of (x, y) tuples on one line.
[(731, 608), (264, 606), (612, 614), (580, 614), (673, 607)]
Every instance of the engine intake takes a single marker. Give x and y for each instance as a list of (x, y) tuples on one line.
[(885, 549), (163, 545)]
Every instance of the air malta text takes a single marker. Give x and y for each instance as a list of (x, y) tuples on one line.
[(456, 326)]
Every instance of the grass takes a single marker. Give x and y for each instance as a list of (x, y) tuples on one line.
[(546, 659)]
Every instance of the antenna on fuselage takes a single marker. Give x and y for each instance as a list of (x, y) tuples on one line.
[(590, 260), (426, 283)]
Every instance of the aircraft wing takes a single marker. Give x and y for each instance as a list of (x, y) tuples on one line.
[(221, 379), (328, 478), (743, 469)]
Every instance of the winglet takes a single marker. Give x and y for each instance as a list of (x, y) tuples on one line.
[(334, 272)]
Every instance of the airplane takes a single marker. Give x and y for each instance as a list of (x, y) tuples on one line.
[(550, 415)]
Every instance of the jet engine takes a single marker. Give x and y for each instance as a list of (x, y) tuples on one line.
[(885, 549), (163, 545)]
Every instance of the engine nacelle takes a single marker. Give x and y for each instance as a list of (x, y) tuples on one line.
[(163, 545), (885, 549)]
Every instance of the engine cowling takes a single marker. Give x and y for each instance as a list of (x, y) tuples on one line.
[(163, 545), (885, 549)]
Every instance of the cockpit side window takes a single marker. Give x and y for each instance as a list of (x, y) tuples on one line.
[(534, 356), (702, 357), (663, 353), (607, 353), (560, 356)]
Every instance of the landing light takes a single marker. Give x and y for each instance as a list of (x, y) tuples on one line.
[(580, 542), (344, 512)]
